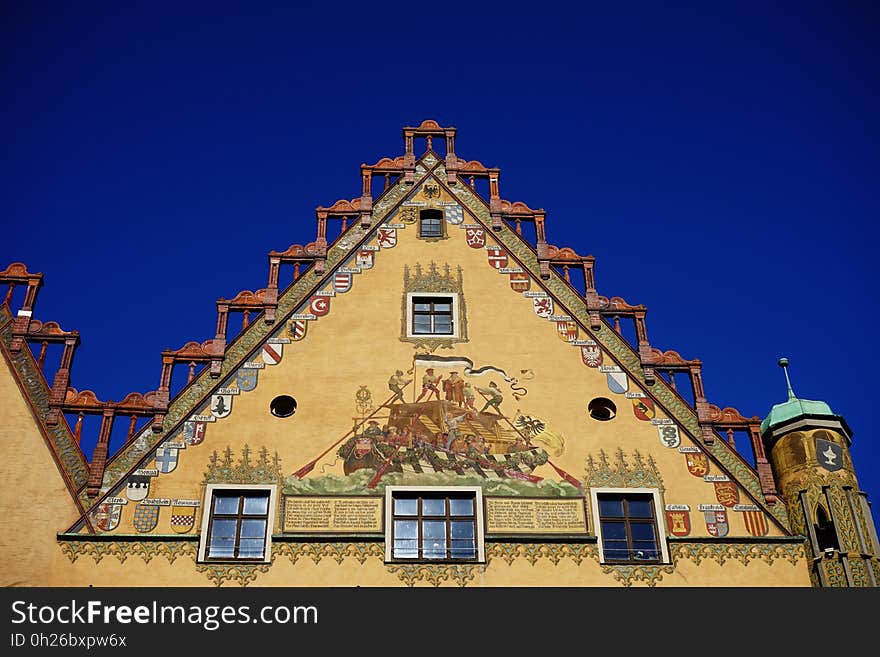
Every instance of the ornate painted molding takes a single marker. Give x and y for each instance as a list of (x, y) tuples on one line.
[(243, 574), (339, 552), (534, 552), (461, 574), (122, 550), (744, 553), (627, 575)]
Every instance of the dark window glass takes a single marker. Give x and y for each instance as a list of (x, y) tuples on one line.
[(629, 532), (238, 525), (431, 223), (434, 527), (432, 316)]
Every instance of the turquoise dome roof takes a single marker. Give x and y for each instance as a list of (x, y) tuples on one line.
[(794, 407)]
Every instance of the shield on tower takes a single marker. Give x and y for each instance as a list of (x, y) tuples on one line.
[(342, 282), (297, 329), (106, 517), (137, 487), (387, 237), (194, 432), (520, 282), (497, 258), (454, 214), (618, 382), (246, 379), (756, 523), (697, 463), (145, 517), (319, 306), (726, 493), (272, 353), (678, 522), (221, 405), (166, 459), (591, 355), (643, 408), (716, 523), (567, 331), (476, 238), (543, 307), (364, 259), (829, 455), (182, 518)]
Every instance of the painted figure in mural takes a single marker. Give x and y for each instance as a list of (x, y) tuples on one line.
[(392, 436), (429, 385), (452, 428), (453, 389), (493, 397), (468, 395), (373, 431), (396, 385)]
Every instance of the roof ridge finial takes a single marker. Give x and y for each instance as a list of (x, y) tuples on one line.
[(783, 363)]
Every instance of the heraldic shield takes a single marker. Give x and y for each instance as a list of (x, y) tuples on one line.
[(716, 523), (726, 493), (146, 516), (643, 408), (182, 518), (137, 487), (297, 329), (194, 432), (697, 463), (679, 522), (106, 517), (246, 379)]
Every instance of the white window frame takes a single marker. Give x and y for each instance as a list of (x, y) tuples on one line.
[(208, 510), (659, 518), (477, 491), (456, 329)]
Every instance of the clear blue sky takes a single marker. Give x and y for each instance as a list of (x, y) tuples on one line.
[(721, 163)]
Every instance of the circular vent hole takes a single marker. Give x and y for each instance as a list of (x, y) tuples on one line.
[(283, 406), (602, 409)]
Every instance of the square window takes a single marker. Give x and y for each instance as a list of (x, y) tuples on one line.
[(239, 525), (434, 525), (432, 315), (628, 527)]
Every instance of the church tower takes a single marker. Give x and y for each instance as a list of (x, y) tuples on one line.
[(808, 446)]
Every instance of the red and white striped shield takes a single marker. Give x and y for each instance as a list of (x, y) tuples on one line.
[(297, 329), (319, 306), (342, 281), (387, 237), (497, 258), (520, 282), (476, 237), (272, 353)]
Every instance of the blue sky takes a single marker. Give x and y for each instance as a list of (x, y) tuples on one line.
[(721, 163)]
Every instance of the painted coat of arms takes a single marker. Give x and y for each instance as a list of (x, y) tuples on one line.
[(194, 432), (342, 282), (520, 282), (387, 237), (137, 487), (716, 523), (476, 238), (497, 258), (678, 522), (272, 353), (246, 379), (697, 463), (221, 405), (319, 306), (182, 518), (543, 307), (591, 355), (106, 517), (146, 516), (726, 493), (297, 329), (756, 523)]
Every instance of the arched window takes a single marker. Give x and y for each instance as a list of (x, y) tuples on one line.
[(826, 536), (431, 223)]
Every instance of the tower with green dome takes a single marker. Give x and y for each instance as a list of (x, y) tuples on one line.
[(808, 446)]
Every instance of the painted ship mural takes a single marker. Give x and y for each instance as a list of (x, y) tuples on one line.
[(453, 430)]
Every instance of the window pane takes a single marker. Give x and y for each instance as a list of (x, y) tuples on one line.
[(616, 552), (406, 506), (434, 507), (226, 504), (253, 528), (462, 529), (461, 507), (443, 307), (641, 531), (406, 549), (250, 548), (463, 550), (442, 325), (434, 550), (642, 550), (405, 529), (433, 529), (611, 507), (256, 505), (639, 508), (613, 531), (221, 548), (425, 307), (223, 529)]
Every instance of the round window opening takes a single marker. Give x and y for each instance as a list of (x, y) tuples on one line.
[(283, 406), (602, 409)]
